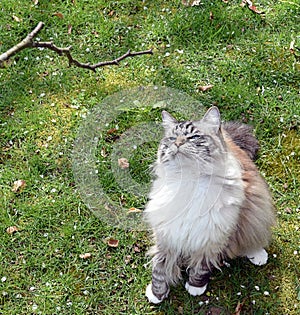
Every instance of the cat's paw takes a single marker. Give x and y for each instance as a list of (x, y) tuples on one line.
[(259, 257), (151, 297), (195, 290)]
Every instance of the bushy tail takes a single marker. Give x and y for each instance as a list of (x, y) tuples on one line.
[(242, 135)]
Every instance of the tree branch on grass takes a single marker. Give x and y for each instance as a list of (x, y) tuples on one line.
[(28, 42)]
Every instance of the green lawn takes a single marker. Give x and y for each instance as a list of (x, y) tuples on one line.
[(44, 102)]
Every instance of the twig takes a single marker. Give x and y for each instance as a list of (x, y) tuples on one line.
[(25, 43), (28, 42), (251, 7)]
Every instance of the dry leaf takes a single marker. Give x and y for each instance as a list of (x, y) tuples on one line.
[(288, 210), (123, 163), (238, 308), (59, 15), (133, 210), (254, 9), (103, 152), (111, 242), (136, 249), (205, 87), (12, 229), (111, 131), (251, 7), (243, 3), (36, 2), (85, 256), (211, 16), (191, 3), (17, 19), (127, 259), (292, 46), (19, 185), (69, 29)]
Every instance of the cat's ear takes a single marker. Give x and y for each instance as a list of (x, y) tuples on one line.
[(168, 119), (212, 118)]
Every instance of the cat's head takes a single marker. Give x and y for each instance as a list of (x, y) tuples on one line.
[(196, 140)]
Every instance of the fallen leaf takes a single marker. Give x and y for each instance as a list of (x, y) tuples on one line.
[(238, 309), (191, 3), (211, 16), (85, 256), (103, 152), (123, 163), (69, 29), (204, 88), (19, 185), (111, 242), (136, 249), (112, 135), (288, 210), (133, 210), (127, 259), (59, 15), (111, 131), (12, 229), (251, 7), (254, 9), (36, 2), (17, 19), (292, 47)]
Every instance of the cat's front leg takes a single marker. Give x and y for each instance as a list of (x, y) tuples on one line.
[(198, 279), (159, 289)]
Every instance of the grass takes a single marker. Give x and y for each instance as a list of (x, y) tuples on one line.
[(43, 102)]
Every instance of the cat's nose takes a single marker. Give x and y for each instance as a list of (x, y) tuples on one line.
[(180, 141)]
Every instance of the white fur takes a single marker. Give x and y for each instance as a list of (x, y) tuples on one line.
[(151, 297), (258, 257), (195, 290), (193, 209)]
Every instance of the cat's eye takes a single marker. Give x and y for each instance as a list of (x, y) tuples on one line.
[(194, 137), (172, 138)]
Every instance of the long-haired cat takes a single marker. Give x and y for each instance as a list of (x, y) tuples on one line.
[(207, 203)]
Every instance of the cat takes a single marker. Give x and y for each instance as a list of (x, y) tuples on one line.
[(207, 203)]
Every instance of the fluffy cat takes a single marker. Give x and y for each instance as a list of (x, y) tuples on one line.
[(207, 202)]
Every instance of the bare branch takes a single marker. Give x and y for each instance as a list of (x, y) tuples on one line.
[(28, 42), (25, 43)]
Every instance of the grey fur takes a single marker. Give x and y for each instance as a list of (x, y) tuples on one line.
[(242, 135), (206, 149)]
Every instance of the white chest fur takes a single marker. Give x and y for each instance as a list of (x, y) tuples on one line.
[(190, 212)]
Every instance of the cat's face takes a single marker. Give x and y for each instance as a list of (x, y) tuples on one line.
[(199, 140)]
